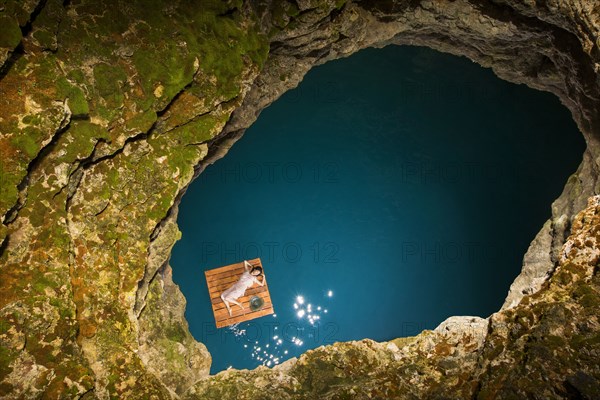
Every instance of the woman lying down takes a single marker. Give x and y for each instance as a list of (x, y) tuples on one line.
[(237, 290)]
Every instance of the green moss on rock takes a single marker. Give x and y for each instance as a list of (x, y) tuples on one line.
[(108, 82), (74, 96), (27, 142), (10, 32)]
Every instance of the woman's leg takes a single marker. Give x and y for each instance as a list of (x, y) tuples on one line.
[(226, 304), (236, 302)]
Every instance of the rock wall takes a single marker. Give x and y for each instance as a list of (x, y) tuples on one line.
[(110, 109)]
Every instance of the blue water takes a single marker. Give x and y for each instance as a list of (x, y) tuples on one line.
[(391, 190)]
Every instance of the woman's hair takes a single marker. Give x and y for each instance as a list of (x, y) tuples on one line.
[(259, 269)]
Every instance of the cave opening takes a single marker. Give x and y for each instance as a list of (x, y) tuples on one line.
[(392, 189)]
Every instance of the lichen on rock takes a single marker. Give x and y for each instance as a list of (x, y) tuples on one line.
[(110, 109)]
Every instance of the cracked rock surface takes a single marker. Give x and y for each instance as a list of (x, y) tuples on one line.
[(108, 110)]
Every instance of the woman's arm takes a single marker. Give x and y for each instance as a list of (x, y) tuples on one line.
[(247, 265), (259, 282)]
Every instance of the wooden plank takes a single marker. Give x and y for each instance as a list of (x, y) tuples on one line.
[(230, 280), (252, 290), (224, 283), (229, 273), (242, 318), (211, 272), (220, 288), (224, 275), (262, 293), (249, 293), (214, 274), (222, 313), (219, 304), (258, 291)]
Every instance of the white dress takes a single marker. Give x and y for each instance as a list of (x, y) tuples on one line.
[(238, 289)]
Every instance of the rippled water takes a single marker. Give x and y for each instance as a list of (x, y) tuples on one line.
[(389, 191)]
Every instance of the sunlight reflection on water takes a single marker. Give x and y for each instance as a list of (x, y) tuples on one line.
[(275, 350)]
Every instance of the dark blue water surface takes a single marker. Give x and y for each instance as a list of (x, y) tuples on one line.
[(391, 190)]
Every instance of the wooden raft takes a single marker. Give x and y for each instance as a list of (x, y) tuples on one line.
[(220, 279)]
